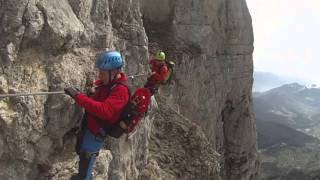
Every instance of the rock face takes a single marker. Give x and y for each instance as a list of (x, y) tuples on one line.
[(46, 45), (180, 148), (211, 42)]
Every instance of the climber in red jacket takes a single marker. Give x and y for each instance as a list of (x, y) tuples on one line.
[(159, 71), (104, 107)]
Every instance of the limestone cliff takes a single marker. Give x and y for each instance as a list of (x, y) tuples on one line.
[(203, 126)]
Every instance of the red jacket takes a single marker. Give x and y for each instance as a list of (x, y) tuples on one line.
[(104, 105), (159, 69)]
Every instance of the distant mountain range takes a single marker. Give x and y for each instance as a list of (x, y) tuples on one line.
[(288, 122), (291, 163), (264, 81), (271, 134), (293, 105)]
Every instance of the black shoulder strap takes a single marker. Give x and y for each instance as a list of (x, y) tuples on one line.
[(115, 84)]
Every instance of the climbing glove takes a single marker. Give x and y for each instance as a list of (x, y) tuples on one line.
[(71, 91)]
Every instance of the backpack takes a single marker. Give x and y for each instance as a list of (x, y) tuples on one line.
[(170, 65), (130, 117)]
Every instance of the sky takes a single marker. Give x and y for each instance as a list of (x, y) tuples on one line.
[(287, 37)]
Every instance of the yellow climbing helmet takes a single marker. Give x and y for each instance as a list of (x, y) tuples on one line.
[(160, 55)]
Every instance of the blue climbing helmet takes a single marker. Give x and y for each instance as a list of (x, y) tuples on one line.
[(109, 60)]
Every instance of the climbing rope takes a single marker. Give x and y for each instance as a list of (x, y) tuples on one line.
[(53, 92), (138, 75), (31, 94)]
